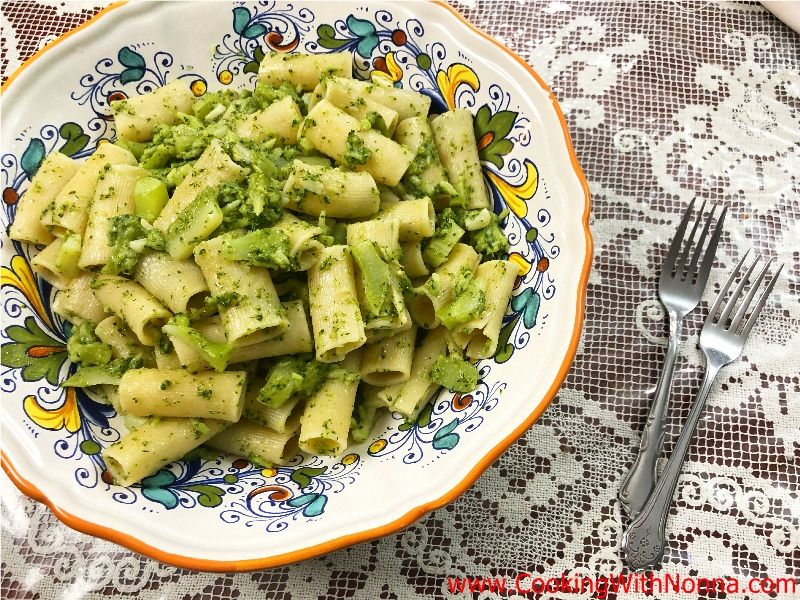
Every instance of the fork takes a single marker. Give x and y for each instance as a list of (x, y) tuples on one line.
[(680, 288), (721, 340)]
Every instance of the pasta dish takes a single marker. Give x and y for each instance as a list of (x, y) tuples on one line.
[(270, 270)]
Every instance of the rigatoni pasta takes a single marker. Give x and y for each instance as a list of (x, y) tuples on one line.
[(191, 254), (53, 174)]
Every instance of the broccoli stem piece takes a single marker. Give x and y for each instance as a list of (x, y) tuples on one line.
[(438, 248), (215, 354), (468, 305), (284, 380), (150, 197), (85, 348), (68, 255), (109, 374), (263, 247), (454, 373), (374, 277)]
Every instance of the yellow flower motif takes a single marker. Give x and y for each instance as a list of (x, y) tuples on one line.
[(198, 87), (517, 195), (65, 416), (522, 263), (225, 77), (20, 277), (350, 459), (392, 74), (456, 76), (269, 472), (377, 446)]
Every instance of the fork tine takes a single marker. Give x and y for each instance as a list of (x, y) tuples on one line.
[(749, 298), (761, 302), (698, 250), (710, 252), (725, 287), (675, 246), (681, 269), (737, 292)]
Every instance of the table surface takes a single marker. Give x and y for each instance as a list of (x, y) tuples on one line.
[(665, 102)]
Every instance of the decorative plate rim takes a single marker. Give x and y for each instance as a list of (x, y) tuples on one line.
[(411, 516)]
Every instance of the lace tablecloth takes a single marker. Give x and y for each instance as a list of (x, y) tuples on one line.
[(666, 101)]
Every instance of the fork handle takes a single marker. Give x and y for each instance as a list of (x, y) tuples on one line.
[(644, 541), (641, 479)]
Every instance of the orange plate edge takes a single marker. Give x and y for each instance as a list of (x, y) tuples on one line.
[(137, 545)]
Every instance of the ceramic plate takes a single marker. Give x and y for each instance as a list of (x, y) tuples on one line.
[(227, 514)]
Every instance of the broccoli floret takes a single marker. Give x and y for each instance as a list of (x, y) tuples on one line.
[(490, 241), (184, 141), (257, 203), (468, 304), (454, 373), (85, 348), (356, 153), (215, 354), (263, 247), (210, 101), (292, 375), (109, 374), (265, 94), (128, 237)]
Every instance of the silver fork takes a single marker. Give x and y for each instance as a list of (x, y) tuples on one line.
[(680, 288), (721, 340)]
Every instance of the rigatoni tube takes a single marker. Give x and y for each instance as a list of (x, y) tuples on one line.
[(77, 302), (335, 313), (479, 336), (416, 218), (257, 443), (58, 262), (455, 139), (388, 361), (438, 290), (409, 397), (178, 284), (177, 393), (70, 209), (280, 120), (336, 134), (113, 196), (137, 307), (303, 70), (314, 189), (325, 423), (155, 443), (54, 172), (406, 103), (136, 117), (256, 306), (212, 168)]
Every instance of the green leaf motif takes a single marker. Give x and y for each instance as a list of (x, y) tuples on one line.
[(32, 158), (209, 495), (76, 140), (302, 477), (327, 38), (34, 351), (130, 58), (491, 131), (504, 349)]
